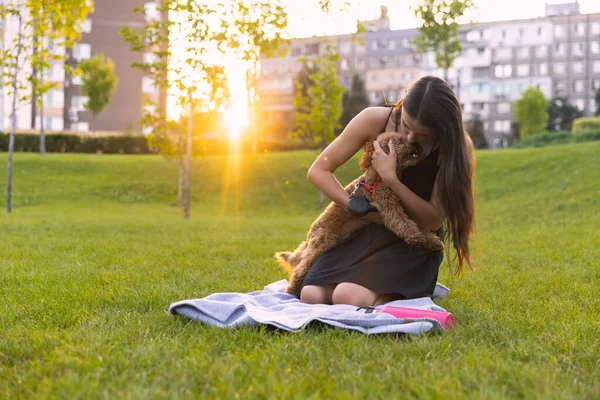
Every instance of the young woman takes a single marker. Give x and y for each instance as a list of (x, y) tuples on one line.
[(373, 266)]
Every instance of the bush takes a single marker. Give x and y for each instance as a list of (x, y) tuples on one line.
[(558, 137), (59, 143), (586, 125), (64, 143)]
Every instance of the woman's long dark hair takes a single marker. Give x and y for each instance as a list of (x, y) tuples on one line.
[(433, 103)]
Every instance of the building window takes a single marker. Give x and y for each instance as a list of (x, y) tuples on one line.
[(76, 80), (78, 103), (503, 108), (296, 51), (559, 31), (523, 52), (592, 106), (559, 68), (149, 58), (596, 67), (577, 49), (540, 31), (523, 70), (80, 127), (595, 28), (54, 98), (559, 88), (344, 65), (560, 49), (578, 86), (360, 64), (346, 48), (480, 88), (502, 89), (503, 54), (407, 76), (595, 47), (148, 86), (596, 84), (543, 69), (502, 126), (86, 27), (580, 104), (579, 29), (577, 67), (375, 96), (56, 73), (541, 51), (82, 51), (151, 12), (503, 71)]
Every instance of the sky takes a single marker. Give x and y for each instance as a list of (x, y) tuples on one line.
[(305, 18)]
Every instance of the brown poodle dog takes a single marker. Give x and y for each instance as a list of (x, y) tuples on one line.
[(336, 223)]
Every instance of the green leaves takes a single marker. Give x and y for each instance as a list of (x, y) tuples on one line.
[(439, 30), (530, 111), (99, 82), (318, 100)]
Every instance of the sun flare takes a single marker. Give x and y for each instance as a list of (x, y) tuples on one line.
[(235, 118)]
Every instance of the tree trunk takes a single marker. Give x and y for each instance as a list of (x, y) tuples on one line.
[(188, 159), (180, 183), (42, 133), (13, 124)]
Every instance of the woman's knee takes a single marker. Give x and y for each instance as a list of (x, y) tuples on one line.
[(313, 294), (353, 294)]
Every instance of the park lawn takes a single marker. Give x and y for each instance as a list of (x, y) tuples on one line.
[(96, 250)]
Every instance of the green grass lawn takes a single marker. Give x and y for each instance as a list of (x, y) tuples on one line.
[(95, 251)]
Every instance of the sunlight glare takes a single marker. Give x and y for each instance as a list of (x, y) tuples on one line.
[(235, 118)]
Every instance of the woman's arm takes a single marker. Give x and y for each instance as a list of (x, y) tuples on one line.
[(427, 214), (362, 128)]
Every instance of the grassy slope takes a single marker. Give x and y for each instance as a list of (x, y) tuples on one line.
[(94, 253)]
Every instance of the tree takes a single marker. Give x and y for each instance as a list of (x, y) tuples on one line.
[(597, 113), (354, 101), (197, 85), (319, 110), (52, 24), (13, 62), (561, 114), (98, 82), (475, 130), (439, 29), (530, 111)]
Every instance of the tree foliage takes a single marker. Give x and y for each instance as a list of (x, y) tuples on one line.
[(354, 101), (561, 114), (531, 112), (319, 109), (241, 28), (98, 82), (439, 29), (475, 129)]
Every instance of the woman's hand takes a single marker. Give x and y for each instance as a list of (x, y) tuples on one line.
[(384, 164)]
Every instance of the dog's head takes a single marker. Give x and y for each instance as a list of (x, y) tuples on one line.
[(407, 153)]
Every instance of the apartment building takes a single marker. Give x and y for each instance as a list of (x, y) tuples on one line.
[(558, 53), (64, 105)]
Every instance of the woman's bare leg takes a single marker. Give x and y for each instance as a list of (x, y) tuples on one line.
[(317, 294)]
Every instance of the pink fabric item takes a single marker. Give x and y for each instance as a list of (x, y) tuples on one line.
[(444, 318)]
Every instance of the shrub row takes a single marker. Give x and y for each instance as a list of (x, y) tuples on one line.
[(63, 143), (59, 143), (560, 137)]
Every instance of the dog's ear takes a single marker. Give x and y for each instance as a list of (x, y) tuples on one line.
[(367, 158)]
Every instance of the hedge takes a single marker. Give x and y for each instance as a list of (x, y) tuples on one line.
[(63, 143), (560, 137), (59, 143), (586, 124)]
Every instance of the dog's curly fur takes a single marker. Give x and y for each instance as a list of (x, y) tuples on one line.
[(335, 222)]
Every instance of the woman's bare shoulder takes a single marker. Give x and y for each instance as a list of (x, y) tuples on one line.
[(371, 120)]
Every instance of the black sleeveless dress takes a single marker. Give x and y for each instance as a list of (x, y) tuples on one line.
[(374, 257)]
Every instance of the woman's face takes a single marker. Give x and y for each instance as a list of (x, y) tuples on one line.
[(416, 132)]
